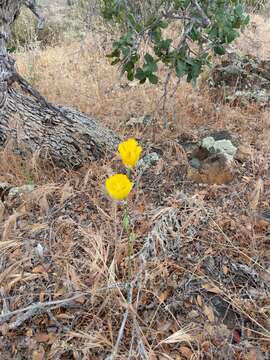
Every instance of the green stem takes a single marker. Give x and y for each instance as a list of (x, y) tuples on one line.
[(126, 223), (129, 173), (130, 241), (130, 253)]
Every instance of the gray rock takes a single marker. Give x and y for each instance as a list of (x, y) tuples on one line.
[(223, 146), (15, 191), (147, 161), (141, 120), (195, 163)]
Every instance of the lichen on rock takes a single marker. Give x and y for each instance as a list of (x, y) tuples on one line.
[(223, 146)]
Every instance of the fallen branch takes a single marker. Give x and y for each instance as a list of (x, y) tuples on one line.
[(28, 312)]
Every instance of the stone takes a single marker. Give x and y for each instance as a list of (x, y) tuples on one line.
[(211, 162), (16, 191), (195, 163), (214, 170), (147, 161), (222, 146), (141, 120)]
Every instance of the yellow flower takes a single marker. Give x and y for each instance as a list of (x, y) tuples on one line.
[(118, 186), (130, 152)]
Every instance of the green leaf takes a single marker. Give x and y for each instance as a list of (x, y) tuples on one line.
[(163, 24), (231, 35), (128, 66), (148, 58), (246, 20), (150, 65), (11, 49), (194, 35), (148, 18), (125, 51), (114, 53), (219, 50), (156, 35), (140, 75), (116, 61), (153, 79), (180, 68), (134, 23), (126, 222), (130, 76)]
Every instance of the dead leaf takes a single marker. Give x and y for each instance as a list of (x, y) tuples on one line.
[(254, 354), (75, 280), (42, 337), (76, 355), (209, 251), (186, 352), (38, 355), (165, 294), (181, 335), (225, 269), (58, 293), (208, 311), (80, 300), (256, 194), (43, 204), (67, 192), (236, 336), (199, 300), (265, 275), (29, 332), (212, 288), (206, 346), (200, 195), (39, 269), (64, 316)]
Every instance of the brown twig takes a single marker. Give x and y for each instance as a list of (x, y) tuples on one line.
[(205, 18)]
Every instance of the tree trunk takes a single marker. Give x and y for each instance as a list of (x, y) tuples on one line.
[(64, 135)]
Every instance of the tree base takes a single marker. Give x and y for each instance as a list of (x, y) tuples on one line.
[(64, 135)]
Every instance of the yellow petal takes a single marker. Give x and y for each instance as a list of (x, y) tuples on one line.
[(118, 186), (130, 152)]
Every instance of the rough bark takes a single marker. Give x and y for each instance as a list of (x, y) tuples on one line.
[(66, 136)]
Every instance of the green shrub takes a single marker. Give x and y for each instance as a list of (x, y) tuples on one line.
[(205, 28)]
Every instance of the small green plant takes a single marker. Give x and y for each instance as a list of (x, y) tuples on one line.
[(201, 29), (119, 186)]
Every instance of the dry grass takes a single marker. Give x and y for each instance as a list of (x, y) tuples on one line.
[(256, 39), (201, 264)]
